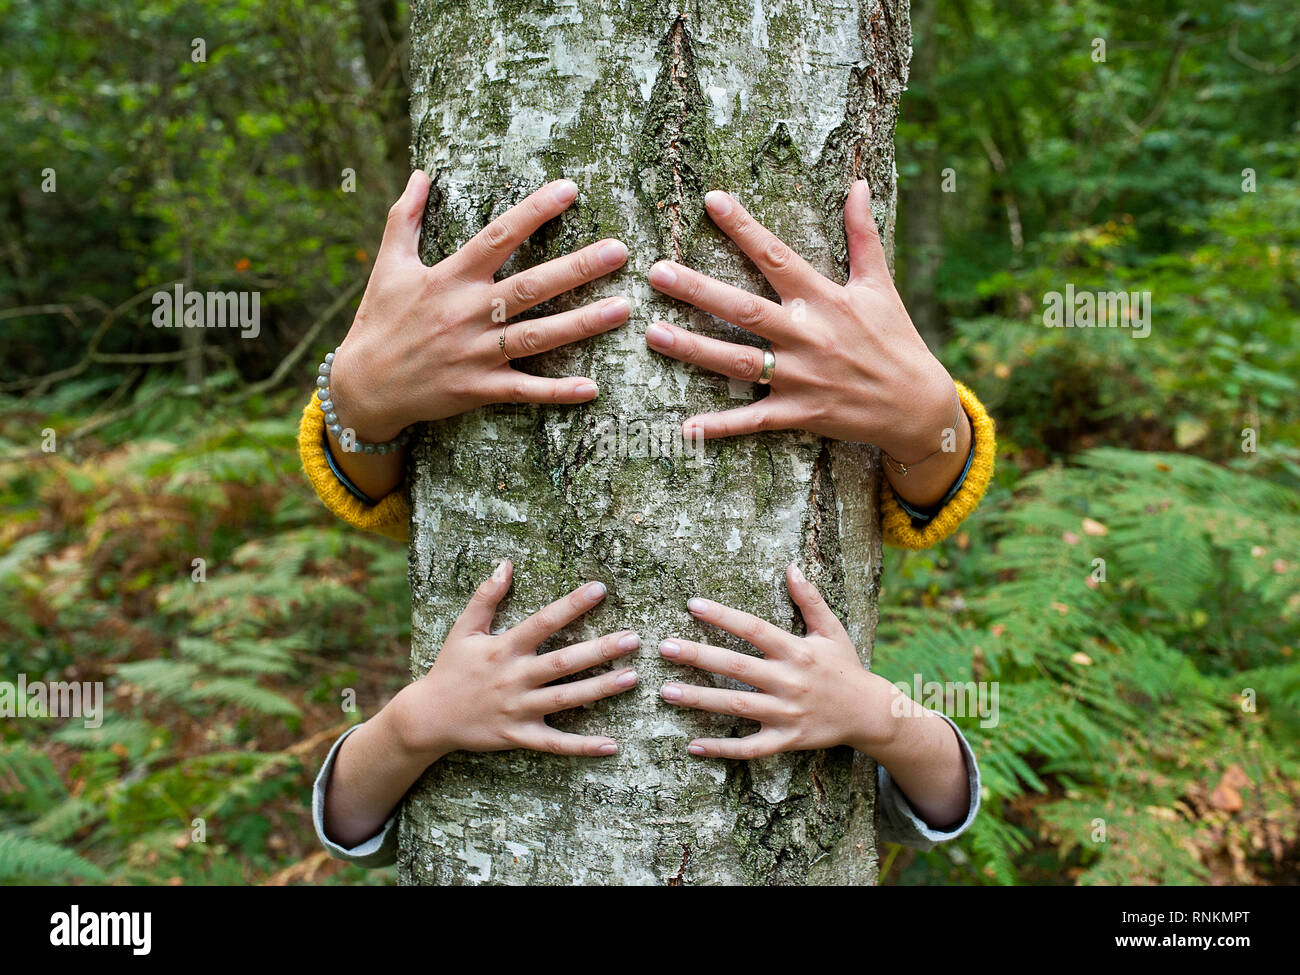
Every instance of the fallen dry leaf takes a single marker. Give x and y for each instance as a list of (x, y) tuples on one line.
[(1227, 794)]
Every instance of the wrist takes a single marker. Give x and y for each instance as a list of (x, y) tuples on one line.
[(413, 727), (356, 403), (927, 423), (876, 726)]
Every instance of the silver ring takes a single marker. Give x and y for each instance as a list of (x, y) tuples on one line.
[(769, 368)]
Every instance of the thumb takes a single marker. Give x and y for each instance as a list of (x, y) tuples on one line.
[(482, 606), (402, 232), (818, 617), (866, 253)]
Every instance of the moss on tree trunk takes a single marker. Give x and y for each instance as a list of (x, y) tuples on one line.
[(647, 106)]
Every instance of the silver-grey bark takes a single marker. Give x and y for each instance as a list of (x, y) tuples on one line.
[(647, 106)]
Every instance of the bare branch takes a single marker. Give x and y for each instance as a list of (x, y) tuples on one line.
[(305, 343), (1254, 63)]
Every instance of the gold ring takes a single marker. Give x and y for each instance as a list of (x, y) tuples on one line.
[(501, 343), (769, 368)]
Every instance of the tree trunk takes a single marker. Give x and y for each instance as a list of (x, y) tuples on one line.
[(647, 107)]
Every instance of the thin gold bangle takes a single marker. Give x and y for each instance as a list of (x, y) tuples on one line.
[(900, 468)]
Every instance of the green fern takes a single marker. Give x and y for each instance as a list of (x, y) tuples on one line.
[(1118, 695), (24, 859)]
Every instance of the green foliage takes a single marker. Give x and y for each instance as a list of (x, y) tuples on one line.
[(24, 859), (1120, 703), (1148, 148), (1162, 161), (1127, 687), (1222, 355), (222, 167), (216, 690)]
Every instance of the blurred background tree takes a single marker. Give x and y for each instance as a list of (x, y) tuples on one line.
[(1150, 147), (1147, 729)]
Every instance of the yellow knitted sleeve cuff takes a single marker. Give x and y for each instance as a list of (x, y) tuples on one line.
[(391, 516), (896, 523)]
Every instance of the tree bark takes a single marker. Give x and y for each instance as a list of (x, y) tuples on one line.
[(647, 106)]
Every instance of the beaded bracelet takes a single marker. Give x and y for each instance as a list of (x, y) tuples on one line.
[(346, 437)]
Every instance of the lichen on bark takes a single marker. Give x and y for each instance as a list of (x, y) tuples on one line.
[(647, 106)]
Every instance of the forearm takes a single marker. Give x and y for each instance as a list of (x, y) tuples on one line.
[(921, 752), (372, 771)]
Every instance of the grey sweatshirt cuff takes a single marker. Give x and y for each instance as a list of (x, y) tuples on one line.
[(378, 851), (900, 823)]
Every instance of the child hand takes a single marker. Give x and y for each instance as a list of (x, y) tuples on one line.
[(484, 692), (425, 341), (811, 692), (489, 692)]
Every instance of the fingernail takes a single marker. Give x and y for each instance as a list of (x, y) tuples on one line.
[(718, 202), (656, 334), (564, 191), (662, 274), (629, 641), (671, 692), (615, 310), (501, 571), (613, 253), (669, 649), (796, 574), (594, 592), (608, 749), (695, 749), (586, 389), (626, 680), (697, 605)]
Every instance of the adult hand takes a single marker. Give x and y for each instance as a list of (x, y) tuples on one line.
[(850, 365), (424, 343)]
